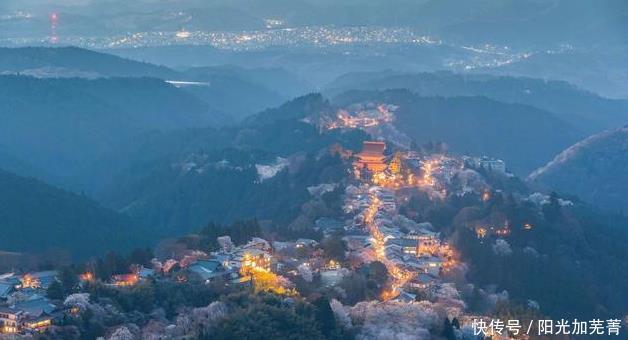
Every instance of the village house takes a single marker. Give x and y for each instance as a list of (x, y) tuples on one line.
[(306, 242), (125, 280), (405, 297), (38, 280), (488, 164), (422, 281), (253, 258), (208, 270), (27, 316)]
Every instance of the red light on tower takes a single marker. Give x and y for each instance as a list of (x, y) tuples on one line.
[(54, 20)]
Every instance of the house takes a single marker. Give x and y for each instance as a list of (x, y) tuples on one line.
[(125, 280), (5, 290), (431, 264), (405, 297), (422, 281), (428, 243), (9, 320), (41, 280), (306, 242), (37, 324), (144, 273), (408, 245), (207, 269), (490, 164), (258, 243), (251, 258), (10, 279), (31, 315)]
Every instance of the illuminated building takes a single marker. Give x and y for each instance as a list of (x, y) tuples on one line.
[(41, 280), (125, 280), (9, 320), (252, 260), (332, 265), (480, 232), (372, 156), (33, 315), (422, 281), (396, 164), (87, 277), (38, 324)]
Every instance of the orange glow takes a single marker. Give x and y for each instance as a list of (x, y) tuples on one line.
[(266, 281), (8, 329), (388, 294), (486, 196), (480, 232), (29, 281), (126, 280), (332, 265), (38, 324), (87, 276), (363, 119)]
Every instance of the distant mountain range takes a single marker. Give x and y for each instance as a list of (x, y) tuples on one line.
[(243, 92), (62, 125), (234, 91), (595, 169), (584, 109), (36, 217), (77, 62)]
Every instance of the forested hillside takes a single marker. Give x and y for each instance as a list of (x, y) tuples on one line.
[(36, 218)]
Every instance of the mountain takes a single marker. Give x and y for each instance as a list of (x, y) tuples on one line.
[(587, 110), (278, 80), (595, 169), (232, 90), (62, 125), (524, 136), (179, 181), (37, 217), (76, 62), (236, 91)]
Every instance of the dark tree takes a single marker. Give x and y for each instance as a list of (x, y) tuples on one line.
[(324, 316), (448, 330), (334, 248)]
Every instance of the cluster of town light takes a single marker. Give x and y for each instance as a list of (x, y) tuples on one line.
[(363, 119), (394, 177), (262, 278), (30, 282), (400, 276)]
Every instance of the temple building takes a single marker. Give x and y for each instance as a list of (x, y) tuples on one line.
[(372, 156)]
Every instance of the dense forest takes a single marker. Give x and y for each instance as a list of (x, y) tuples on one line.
[(38, 218)]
